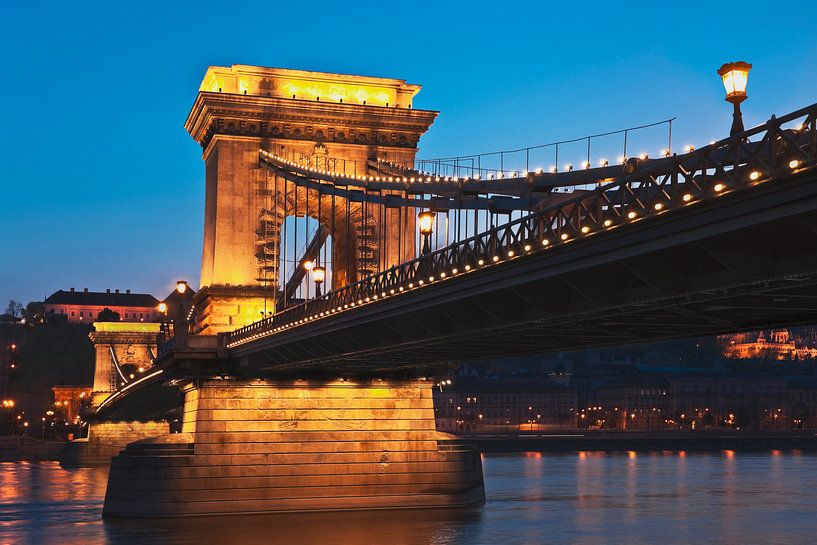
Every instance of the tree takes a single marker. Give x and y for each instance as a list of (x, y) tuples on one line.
[(107, 315), (14, 309), (34, 313)]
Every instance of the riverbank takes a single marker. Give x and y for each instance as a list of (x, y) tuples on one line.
[(15, 448), (642, 441)]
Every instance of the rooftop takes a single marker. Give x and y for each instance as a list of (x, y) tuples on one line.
[(101, 299), (305, 84)]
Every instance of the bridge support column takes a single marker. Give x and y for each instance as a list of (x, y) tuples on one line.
[(265, 446), (105, 440)]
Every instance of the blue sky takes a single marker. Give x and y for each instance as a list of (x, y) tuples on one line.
[(103, 188)]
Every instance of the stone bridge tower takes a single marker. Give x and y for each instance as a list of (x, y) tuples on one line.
[(121, 347), (335, 122)]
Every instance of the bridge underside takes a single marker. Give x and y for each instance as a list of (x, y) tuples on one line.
[(746, 260)]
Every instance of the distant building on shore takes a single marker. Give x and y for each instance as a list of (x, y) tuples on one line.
[(502, 406), (643, 398), (778, 344), (84, 306)]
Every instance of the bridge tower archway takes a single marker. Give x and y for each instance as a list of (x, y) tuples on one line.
[(331, 122)]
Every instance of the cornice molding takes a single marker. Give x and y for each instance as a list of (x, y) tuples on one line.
[(293, 119)]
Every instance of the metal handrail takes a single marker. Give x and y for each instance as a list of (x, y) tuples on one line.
[(719, 168), (459, 163)]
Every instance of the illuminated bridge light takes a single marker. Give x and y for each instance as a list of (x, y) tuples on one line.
[(794, 163), (563, 236), (411, 285), (687, 197), (754, 175), (495, 258), (454, 271), (719, 187), (608, 223), (631, 215), (468, 267), (545, 242), (431, 279), (585, 229), (442, 274), (400, 288), (481, 262), (511, 253), (391, 291), (527, 247), (658, 206), (421, 282)]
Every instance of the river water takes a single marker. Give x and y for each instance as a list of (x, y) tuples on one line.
[(584, 498)]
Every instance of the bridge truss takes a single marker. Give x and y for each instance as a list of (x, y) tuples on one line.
[(621, 198)]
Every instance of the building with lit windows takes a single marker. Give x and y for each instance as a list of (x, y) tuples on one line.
[(643, 398), (778, 344), (638, 403), (84, 306), (499, 406)]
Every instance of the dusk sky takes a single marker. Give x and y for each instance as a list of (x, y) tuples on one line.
[(103, 188)]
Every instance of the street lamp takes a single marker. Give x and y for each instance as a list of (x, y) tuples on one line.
[(426, 228), (735, 77), (319, 274), (164, 322), (181, 286)]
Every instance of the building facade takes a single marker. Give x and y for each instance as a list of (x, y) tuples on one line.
[(84, 306), (497, 406), (778, 344), (653, 399)]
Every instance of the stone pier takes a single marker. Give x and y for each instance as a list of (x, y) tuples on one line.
[(105, 440), (266, 446)]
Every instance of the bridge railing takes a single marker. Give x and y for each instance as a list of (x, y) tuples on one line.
[(781, 146)]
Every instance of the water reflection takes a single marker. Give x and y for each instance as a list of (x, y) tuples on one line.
[(577, 498), (419, 527)]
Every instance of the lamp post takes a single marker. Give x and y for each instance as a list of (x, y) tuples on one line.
[(426, 228), (319, 274), (162, 309), (735, 76), (308, 266), (181, 286)]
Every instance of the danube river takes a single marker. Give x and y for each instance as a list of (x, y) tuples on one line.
[(582, 498)]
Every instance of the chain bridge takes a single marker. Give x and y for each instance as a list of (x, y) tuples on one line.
[(340, 274)]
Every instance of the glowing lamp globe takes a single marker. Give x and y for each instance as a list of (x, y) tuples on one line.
[(319, 274), (735, 76), (426, 222)]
